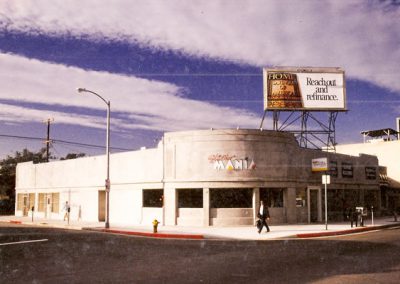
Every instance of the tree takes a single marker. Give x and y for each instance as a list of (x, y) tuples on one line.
[(70, 156), (8, 166)]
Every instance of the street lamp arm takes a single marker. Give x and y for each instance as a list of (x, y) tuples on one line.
[(83, 90)]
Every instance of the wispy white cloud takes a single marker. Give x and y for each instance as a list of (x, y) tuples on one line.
[(360, 36), (135, 103), (18, 114)]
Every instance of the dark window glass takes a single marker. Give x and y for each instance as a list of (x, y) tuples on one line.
[(231, 198), (347, 170), (152, 198), (301, 197), (333, 169), (370, 172), (272, 197), (190, 198)]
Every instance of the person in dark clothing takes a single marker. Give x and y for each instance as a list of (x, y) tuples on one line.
[(263, 214), (353, 216)]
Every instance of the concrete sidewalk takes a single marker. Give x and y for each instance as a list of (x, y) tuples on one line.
[(238, 233)]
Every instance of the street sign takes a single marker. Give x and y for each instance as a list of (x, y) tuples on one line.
[(326, 179)]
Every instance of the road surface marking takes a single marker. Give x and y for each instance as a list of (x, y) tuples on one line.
[(24, 242)]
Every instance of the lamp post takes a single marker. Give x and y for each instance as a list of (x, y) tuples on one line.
[(326, 179), (107, 182)]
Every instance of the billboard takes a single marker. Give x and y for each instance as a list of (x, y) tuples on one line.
[(304, 89)]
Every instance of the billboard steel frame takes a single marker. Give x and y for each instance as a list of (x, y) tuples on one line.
[(323, 135)]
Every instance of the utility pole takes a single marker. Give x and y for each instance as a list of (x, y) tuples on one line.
[(48, 139)]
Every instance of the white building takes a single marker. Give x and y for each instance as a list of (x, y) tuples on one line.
[(208, 177)]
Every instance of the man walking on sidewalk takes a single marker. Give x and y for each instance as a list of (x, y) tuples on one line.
[(263, 214)]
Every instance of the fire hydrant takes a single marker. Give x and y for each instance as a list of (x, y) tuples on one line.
[(155, 224)]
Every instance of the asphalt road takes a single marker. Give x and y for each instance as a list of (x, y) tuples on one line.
[(62, 256)]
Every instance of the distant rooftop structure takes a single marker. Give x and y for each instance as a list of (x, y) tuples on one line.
[(385, 134)]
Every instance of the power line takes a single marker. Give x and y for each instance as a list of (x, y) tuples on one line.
[(21, 137), (89, 145), (62, 142)]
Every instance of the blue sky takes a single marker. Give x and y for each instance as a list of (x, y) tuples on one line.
[(183, 65)]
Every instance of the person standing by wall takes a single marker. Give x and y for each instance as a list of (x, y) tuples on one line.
[(263, 214), (67, 210), (353, 216)]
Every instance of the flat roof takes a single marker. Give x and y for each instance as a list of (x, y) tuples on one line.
[(380, 132)]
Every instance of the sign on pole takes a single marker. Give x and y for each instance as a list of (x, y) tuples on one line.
[(326, 179), (319, 165)]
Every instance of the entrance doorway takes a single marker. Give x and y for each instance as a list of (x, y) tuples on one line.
[(314, 204), (48, 206), (102, 205)]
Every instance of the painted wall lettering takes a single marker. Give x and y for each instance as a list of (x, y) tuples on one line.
[(231, 162)]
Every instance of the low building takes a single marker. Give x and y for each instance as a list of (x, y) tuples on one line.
[(202, 178), (385, 145)]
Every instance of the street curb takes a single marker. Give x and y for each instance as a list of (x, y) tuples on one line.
[(11, 221), (146, 234), (345, 232), (189, 236), (113, 231), (67, 227)]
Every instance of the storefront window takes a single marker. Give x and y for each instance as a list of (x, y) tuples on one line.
[(301, 197), (152, 198), (42, 202), (231, 198), (190, 198), (351, 197), (20, 201), (273, 197), (371, 198), (31, 200), (337, 205), (55, 200), (383, 197)]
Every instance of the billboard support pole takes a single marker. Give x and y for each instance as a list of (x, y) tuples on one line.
[(275, 120), (332, 130), (303, 134), (262, 120), (326, 201)]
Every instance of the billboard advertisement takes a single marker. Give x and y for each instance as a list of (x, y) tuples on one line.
[(304, 89)]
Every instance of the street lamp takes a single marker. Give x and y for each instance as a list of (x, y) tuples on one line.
[(107, 182)]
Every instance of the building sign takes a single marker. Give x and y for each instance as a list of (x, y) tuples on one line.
[(347, 170), (231, 162), (370, 172), (319, 165), (333, 168), (304, 89)]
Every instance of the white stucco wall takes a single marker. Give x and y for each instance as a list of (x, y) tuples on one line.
[(388, 153), (188, 161), (79, 181)]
